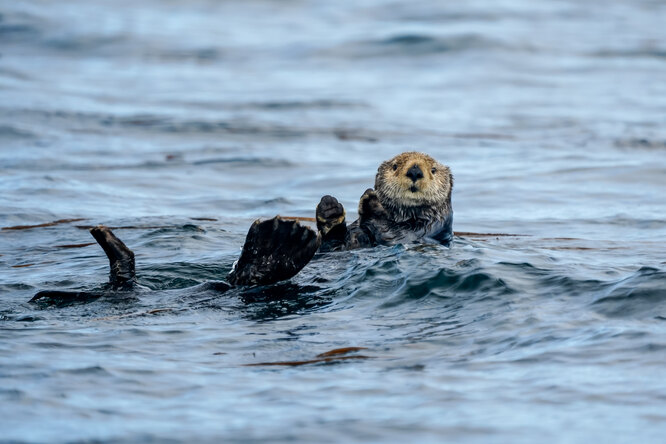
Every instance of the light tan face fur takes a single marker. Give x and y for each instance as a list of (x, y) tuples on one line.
[(395, 187)]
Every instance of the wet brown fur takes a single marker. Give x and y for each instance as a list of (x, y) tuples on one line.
[(427, 198)]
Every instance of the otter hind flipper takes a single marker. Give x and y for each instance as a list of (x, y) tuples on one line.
[(121, 258), (274, 250), (121, 274)]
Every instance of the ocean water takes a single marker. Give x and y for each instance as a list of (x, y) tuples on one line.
[(181, 122)]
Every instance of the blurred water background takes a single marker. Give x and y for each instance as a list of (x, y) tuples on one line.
[(183, 121)]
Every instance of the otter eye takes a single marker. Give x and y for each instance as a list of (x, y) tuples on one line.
[(433, 171), (395, 166)]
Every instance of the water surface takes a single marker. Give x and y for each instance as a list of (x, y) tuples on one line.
[(185, 121)]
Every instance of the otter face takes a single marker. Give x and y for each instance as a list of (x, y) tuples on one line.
[(413, 180)]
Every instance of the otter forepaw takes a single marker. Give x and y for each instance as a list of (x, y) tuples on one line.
[(274, 250), (330, 214), (369, 206)]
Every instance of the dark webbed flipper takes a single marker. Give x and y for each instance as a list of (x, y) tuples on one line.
[(274, 250), (121, 275), (331, 223), (121, 258)]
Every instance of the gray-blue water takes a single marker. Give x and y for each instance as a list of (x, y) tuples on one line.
[(187, 120)]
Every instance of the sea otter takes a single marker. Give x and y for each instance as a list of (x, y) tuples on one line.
[(411, 202)]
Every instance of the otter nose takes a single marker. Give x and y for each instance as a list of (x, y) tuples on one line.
[(414, 173)]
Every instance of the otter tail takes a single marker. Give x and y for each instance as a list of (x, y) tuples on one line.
[(121, 275), (274, 250)]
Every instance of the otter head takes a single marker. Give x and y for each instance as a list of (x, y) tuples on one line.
[(414, 185)]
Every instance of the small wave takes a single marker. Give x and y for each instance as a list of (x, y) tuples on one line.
[(641, 143), (27, 29), (18, 27), (571, 285), (267, 303), (12, 394), (302, 104), (100, 123), (93, 370), (237, 126), (253, 161), (641, 295), (9, 31), (438, 12), (15, 287), (82, 43), (415, 45), (13, 133), (199, 55), (653, 53), (271, 105), (450, 284), (178, 275), (409, 39), (185, 228)]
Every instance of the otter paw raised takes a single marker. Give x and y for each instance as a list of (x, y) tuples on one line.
[(330, 213), (369, 206)]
